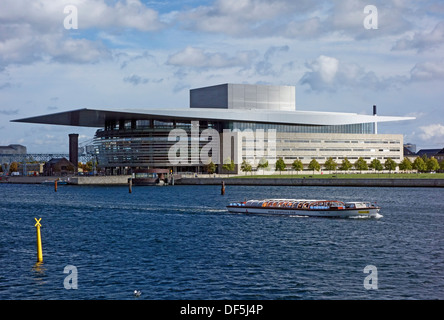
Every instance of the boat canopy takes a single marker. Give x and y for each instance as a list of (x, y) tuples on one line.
[(292, 203), (357, 205)]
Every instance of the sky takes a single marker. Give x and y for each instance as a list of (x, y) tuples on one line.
[(341, 57)]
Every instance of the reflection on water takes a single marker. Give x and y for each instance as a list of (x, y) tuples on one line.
[(38, 273)]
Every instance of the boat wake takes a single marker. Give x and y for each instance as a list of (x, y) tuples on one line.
[(377, 216)]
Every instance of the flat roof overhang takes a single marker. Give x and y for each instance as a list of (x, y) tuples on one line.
[(96, 118)]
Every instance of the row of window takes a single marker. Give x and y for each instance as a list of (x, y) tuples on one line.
[(323, 158), (127, 125), (357, 128), (321, 150)]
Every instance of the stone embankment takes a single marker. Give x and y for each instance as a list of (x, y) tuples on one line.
[(80, 180), (123, 180), (431, 183)]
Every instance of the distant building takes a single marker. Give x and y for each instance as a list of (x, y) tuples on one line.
[(58, 166), (428, 152), (440, 155), (30, 169), (408, 153), (12, 149), (8, 153), (411, 147)]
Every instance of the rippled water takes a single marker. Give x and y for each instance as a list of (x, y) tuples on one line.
[(180, 243)]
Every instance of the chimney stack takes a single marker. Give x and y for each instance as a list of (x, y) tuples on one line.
[(375, 113), (74, 150)]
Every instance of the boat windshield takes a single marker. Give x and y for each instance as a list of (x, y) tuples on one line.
[(358, 205)]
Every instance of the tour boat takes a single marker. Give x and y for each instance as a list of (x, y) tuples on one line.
[(311, 208)]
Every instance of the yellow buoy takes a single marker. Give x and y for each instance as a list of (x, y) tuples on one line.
[(39, 241)]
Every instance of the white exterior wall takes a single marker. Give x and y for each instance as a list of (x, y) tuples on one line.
[(308, 146), (244, 96), (260, 97)]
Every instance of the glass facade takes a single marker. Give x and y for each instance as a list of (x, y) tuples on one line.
[(145, 143), (356, 128)]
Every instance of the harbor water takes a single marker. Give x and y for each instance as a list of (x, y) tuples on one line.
[(180, 243)]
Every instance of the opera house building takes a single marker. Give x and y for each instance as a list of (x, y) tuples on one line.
[(230, 122)]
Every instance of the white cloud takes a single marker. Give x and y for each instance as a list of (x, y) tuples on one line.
[(432, 133), (32, 31), (327, 67), (299, 19), (322, 74), (135, 80), (77, 51), (305, 28), (423, 41), (347, 17), (9, 112), (124, 14), (329, 74), (427, 71), (53, 47), (268, 66), (257, 18), (47, 15), (199, 58)]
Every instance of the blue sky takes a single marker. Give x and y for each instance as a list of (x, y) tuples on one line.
[(148, 54)]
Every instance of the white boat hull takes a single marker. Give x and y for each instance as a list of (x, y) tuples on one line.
[(344, 213)]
